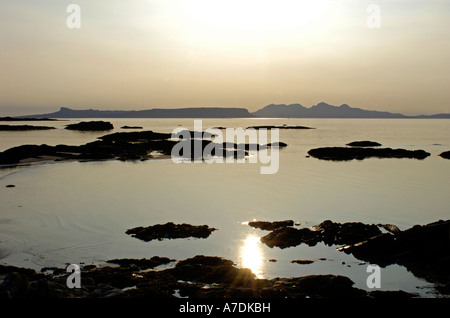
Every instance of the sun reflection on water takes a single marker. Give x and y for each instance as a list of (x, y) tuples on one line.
[(252, 255)]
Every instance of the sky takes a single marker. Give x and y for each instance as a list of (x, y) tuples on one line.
[(387, 55)]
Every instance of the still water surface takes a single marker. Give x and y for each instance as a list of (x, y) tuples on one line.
[(76, 212)]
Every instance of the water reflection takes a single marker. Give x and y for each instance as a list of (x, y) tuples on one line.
[(252, 255)]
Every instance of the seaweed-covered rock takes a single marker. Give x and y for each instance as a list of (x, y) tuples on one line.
[(170, 231)]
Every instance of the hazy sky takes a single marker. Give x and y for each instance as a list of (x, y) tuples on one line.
[(141, 54)]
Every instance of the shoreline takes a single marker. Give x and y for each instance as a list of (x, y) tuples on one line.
[(215, 277)]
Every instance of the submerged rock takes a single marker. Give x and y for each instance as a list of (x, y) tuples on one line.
[(359, 153), (91, 126), (170, 231)]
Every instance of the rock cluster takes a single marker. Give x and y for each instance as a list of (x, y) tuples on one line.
[(170, 231)]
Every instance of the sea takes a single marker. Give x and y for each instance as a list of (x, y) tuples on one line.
[(62, 213)]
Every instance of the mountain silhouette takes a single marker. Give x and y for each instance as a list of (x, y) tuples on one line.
[(321, 110)]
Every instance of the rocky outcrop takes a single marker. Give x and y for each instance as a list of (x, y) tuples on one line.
[(364, 143), (270, 226), (197, 277), (422, 249), (136, 145), (445, 154), (170, 231), (8, 118), (91, 126), (131, 127), (329, 232), (23, 128), (359, 153)]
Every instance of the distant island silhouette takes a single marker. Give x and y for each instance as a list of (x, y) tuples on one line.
[(321, 110)]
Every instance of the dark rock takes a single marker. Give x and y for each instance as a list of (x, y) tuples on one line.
[(302, 262), (15, 285), (313, 286), (376, 250), (390, 227), (7, 118), (135, 136), (131, 127), (345, 233), (289, 236), (91, 126), (423, 250), (170, 231), (10, 186), (277, 144), (23, 128), (124, 146), (445, 154), (364, 144), (16, 154), (209, 269), (359, 153), (118, 277), (270, 226), (197, 277), (328, 232), (391, 294)]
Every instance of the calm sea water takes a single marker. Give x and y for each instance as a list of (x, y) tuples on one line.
[(74, 212)]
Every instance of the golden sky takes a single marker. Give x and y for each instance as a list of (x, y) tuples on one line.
[(139, 54)]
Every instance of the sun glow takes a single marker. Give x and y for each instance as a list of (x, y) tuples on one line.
[(253, 14), (252, 255)]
